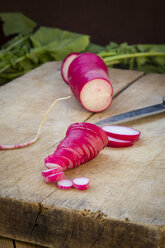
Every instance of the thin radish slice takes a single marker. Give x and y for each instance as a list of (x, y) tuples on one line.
[(54, 177), (60, 161), (53, 166), (122, 132), (65, 184), (48, 172), (81, 183), (112, 142), (65, 65)]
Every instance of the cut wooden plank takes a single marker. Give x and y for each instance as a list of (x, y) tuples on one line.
[(6, 243), (39, 213)]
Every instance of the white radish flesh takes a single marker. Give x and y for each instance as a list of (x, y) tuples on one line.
[(96, 95), (122, 132), (81, 183), (65, 184), (112, 142), (65, 65)]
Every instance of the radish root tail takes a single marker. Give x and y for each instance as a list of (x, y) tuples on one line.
[(32, 141)]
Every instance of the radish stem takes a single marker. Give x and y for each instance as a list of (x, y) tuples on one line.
[(32, 141), (110, 59)]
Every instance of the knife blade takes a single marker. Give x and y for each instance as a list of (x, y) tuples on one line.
[(134, 114)]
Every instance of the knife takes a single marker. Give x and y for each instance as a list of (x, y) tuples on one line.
[(134, 114)]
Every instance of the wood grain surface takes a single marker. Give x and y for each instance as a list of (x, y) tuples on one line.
[(124, 206)]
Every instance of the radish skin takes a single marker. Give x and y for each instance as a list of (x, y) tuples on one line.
[(81, 183), (112, 142), (88, 79), (65, 184), (122, 132), (65, 66)]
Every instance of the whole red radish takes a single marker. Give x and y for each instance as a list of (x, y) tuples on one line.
[(88, 79)]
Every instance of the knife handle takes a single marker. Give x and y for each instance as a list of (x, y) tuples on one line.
[(163, 100)]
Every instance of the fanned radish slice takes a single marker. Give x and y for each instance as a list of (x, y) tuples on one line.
[(81, 183), (48, 172), (65, 66), (53, 166), (122, 132), (65, 184), (112, 142), (54, 177)]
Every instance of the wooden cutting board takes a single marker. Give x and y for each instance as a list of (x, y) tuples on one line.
[(125, 204)]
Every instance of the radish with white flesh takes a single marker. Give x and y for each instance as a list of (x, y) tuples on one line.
[(54, 177), (65, 65), (122, 132), (48, 172), (89, 138), (88, 79), (81, 183), (65, 184), (56, 160), (112, 142)]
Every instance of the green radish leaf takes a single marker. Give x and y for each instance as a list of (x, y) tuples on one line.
[(94, 48), (17, 23), (58, 43)]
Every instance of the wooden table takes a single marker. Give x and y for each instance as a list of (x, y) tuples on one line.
[(125, 204)]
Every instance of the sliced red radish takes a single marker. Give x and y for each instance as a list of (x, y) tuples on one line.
[(54, 177), (99, 131), (65, 184), (78, 149), (81, 183), (65, 66), (88, 78), (74, 144), (48, 172), (122, 132), (83, 141), (81, 135), (63, 152), (112, 142)]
